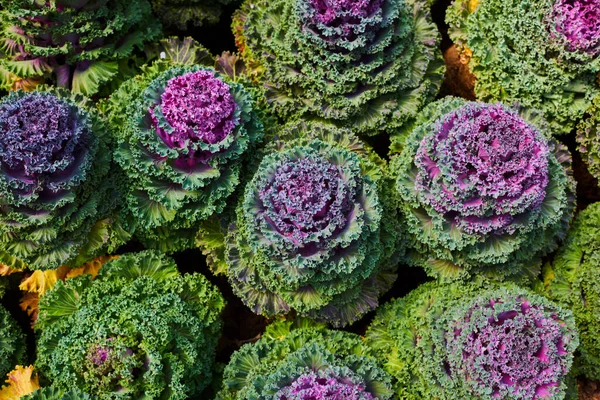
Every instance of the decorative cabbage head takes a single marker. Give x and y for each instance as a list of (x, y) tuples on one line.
[(484, 190), (543, 55), (58, 202), (79, 45), (465, 341), (368, 65), (573, 280), (139, 327), (183, 14), (12, 343), (303, 361), (314, 228), (183, 134)]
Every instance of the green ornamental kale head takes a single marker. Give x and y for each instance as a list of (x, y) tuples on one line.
[(314, 228), (183, 14), (12, 343), (543, 54), (573, 280), (305, 361), (139, 328), (79, 45), (368, 65), (484, 190), (475, 341), (58, 188), (183, 133)]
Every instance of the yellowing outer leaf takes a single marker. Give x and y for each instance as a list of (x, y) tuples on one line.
[(42, 281), (20, 382), (92, 268), (5, 270), (30, 304)]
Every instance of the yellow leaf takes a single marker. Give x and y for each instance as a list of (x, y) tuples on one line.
[(21, 382), (29, 303), (92, 267), (42, 281), (5, 270)]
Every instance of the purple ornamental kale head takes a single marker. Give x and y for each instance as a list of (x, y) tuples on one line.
[(198, 107), (308, 199), (311, 386), (337, 13), (519, 352), (482, 167), (42, 141), (578, 24)]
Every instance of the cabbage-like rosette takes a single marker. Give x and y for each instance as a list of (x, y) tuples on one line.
[(59, 189), (367, 65), (474, 340), (182, 140), (81, 46), (484, 189), (314, 228), (139, 328), (304, 361), (573, 280), (12, 342), (546, 55)]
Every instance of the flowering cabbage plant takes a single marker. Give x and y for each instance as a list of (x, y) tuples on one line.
[(183, 132), (368, 65), (79, 45), (545, 55), (314, 228), (466, 341), (12, 342), (483, 190), (573, 280), (139, 328), (58, 203), (183, 13), (304, 361)]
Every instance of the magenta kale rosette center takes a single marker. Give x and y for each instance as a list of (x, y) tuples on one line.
[(42, 136), (578, 22), (197, 107), (517, 350), (337, 13), (313, 386), (305, 197), (483, 167)]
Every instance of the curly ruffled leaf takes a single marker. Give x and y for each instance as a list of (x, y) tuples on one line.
[(20, 382), (369, 66), (52, 393), (59, 207), (183, 133), (78, 46), (139, 327), (483, 190), (314, 228), (475, 340), (588, 138), (573, 280), (12, 343), (545, 56), (305, 361)]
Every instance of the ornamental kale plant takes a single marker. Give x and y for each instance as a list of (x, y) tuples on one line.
[(573, 280), (58, 202), (368, 65), (183, 133), (139, 328), (588, 138), (315, 228), (304, 361), (183, 13), (79, 45), (50, 393), (467, 341), (484, 190), (12, 342), (544, 54)]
